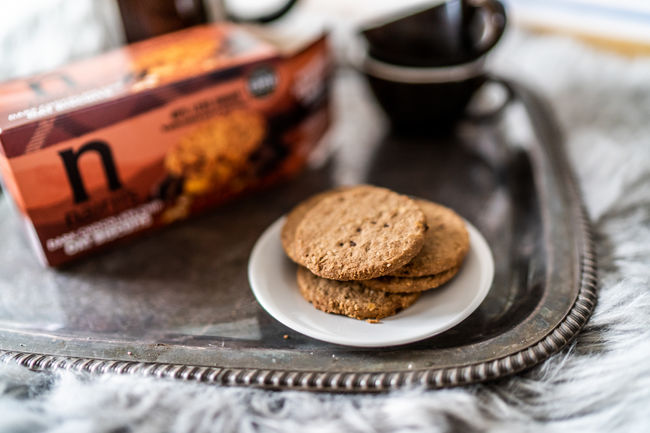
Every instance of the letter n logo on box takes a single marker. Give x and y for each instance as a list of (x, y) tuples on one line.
[(71, 162)]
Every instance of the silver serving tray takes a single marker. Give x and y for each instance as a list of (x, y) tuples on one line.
[(178, 304)]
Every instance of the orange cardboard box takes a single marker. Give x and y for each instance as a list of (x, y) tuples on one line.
[(135, 139)]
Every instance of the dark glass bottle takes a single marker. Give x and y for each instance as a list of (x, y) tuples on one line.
[(143, 19)]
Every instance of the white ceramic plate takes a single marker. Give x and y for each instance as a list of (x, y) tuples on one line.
[(272, 277)]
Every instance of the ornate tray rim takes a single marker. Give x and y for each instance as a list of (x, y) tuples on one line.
[(435, 378)]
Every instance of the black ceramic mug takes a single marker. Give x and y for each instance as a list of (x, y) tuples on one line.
[(424, 67)]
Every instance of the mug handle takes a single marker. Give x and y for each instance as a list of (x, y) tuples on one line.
[(496, 23), (263, 19), (489, 115)]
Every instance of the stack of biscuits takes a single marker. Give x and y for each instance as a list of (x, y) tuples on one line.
[(367, 252)]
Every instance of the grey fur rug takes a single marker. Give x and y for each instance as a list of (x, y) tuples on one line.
[(601, 383)]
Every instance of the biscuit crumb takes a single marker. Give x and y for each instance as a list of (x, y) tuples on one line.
[(373, 320)]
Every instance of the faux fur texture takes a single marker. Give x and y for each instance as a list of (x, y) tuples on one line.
[(601, 383)]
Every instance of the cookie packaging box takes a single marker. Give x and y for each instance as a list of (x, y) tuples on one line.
[(111, 147)]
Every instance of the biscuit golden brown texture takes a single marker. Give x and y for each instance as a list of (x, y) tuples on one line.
[(288, 234), (446, 243), (360, 233), (351, 298), (216, 151), (410, 284)]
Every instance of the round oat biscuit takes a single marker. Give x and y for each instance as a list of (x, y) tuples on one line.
[(360, 233), (410, 284), (351, 298), (446, 243), (294, 217)]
